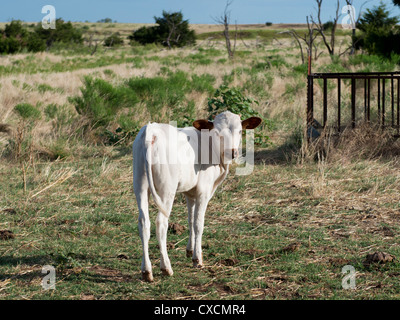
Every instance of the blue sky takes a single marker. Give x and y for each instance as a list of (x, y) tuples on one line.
[(197, 11)]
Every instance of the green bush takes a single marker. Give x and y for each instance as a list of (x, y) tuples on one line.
[(169, 91), (65, 32), (35, 43), (10, 45), (327, 26), (380, 34), (171, 31), (108, 109), (113, 40), (100, 101), (145, 35), (27, 112), (233, 100), (161, 91), (15, 30), (15, 37)]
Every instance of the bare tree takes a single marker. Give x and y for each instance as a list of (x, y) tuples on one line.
[(297, 37), (93, 44), (172, 29), (224, 20), (308, 38), (329, 44)]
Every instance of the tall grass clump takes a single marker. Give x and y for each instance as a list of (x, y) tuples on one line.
[(365, 142), (111, 111), (166, 97), (100, 103), (21, 145)]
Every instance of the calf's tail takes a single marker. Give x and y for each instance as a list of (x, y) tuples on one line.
[(149, 141)]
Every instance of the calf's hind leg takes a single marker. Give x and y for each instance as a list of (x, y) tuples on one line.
[(162, 228), (144, 232)]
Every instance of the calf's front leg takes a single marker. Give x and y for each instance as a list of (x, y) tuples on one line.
[(198, 227), (191, 207)]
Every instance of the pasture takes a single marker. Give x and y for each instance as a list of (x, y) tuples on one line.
[(283, 232)]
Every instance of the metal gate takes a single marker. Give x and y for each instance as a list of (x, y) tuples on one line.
[(381, 87)]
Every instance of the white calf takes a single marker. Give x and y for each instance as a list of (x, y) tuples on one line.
[(167, 160)]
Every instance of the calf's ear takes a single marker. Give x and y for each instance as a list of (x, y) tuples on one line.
[(203, 124), (251, 123)]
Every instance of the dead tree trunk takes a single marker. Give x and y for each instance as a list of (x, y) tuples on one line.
[(224, 20), (329, 44), (308, 38)]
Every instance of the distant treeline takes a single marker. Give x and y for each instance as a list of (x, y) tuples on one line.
[(378, 33)]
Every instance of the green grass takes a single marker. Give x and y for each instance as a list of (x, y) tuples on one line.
[(86, 227), (69, 202)]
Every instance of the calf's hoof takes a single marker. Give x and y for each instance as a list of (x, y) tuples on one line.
[(197, 263), (147, 276), (167, 272), (189, 253)]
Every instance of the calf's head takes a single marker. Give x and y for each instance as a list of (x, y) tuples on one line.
[(226, 129)]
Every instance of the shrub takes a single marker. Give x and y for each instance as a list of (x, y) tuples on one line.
[(380, 35), (171, 31), (268, 24), (27, 112), (13, 38), (159, 91), (15, 30), (100, 101), (232, 99), (145, 35), (10, 45), (35, 43), (113, 40), (327, 26), (16, 37), (21, 146), (65, 32)]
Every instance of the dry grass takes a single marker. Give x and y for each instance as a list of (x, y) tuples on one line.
[(284, 232)]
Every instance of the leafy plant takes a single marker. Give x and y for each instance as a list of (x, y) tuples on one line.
[(233, 100)]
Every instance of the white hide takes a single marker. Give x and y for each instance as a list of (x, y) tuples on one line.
[(168, 160)]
